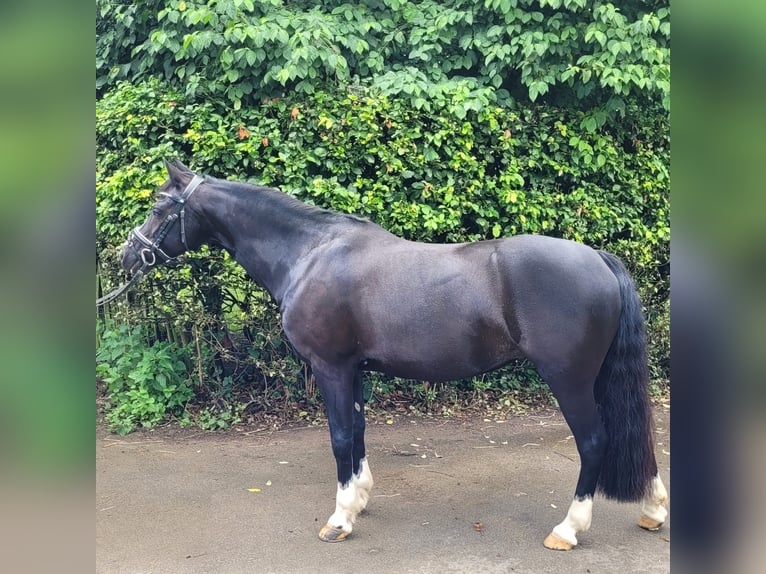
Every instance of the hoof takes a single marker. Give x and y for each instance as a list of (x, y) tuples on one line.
[(649, 523), (555, 542), (331, 533)]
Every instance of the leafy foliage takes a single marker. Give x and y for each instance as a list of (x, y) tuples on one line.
[(496, 51), (145, 382)]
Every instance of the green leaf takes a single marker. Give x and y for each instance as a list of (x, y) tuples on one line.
[(600, 37)]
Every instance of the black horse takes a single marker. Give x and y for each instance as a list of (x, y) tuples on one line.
[(354, 298)]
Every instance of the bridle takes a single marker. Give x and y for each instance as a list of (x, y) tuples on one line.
[(149, 250)]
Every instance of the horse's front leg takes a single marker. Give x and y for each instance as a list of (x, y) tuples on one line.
[(354, 479), (362, 476)]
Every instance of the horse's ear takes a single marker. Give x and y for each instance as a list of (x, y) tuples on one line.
[(181, 166), (175, 170)]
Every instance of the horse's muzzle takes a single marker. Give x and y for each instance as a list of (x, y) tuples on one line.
[(130, 259)]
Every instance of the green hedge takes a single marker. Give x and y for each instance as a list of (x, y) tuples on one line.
[(433, 175), (588, 53)]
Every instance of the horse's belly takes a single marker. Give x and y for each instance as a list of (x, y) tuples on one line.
[(436, 357), (425, 371)]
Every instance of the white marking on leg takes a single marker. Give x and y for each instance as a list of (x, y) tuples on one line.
[(364, 483), (346, 507), (352, 499), (652, 505), (577, 520)]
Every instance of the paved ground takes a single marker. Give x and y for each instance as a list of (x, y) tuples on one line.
[(174, 501)]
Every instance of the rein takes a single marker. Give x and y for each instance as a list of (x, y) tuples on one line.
[(120, 290), (151, 248)]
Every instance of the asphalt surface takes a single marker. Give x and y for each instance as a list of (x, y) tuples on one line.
[(466, 495)]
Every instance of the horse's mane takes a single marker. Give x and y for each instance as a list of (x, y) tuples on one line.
[(285, 202)]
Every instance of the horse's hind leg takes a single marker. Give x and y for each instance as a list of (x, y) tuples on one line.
[(579, 409), (337, 388), (653, 511)]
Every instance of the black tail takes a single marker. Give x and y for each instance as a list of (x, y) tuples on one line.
[(622, 395)]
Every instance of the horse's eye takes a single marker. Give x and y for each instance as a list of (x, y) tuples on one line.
[(156, 211)]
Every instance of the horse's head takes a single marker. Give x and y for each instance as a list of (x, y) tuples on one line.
[(172, 226)]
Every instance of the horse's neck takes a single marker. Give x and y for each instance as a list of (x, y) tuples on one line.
[(265, 237)]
